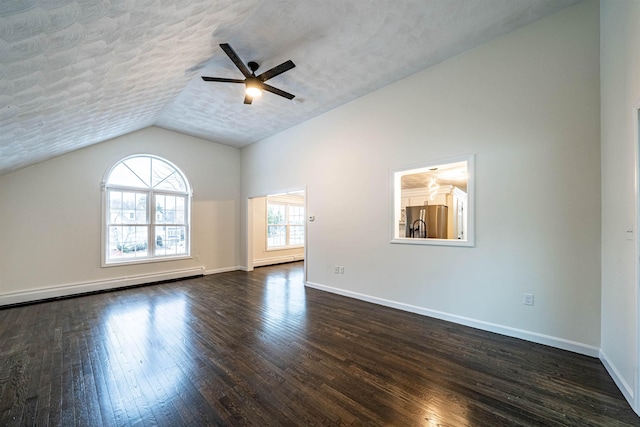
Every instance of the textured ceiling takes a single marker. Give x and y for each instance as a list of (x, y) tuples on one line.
[(76, 73), (447, 174)]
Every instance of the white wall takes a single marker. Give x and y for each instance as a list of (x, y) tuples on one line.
[(50, 216), (620, 96), (527, 105), (262, 256)]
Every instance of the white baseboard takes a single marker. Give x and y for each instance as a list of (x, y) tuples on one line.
[(224, 270), (561, 343), (277, 260), (627, 391), (94, 286)]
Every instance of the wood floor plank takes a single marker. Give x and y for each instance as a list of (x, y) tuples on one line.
[(258, 348)]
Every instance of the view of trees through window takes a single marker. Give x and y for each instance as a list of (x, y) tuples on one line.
[(147, 210)]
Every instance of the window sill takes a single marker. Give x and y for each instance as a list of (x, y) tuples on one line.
[(432, 242)]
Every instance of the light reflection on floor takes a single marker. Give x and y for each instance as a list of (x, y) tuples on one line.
[(148, 343), (143, 341), (284, 298)]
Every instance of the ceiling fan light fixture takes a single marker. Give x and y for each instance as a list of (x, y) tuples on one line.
[(253, 91)]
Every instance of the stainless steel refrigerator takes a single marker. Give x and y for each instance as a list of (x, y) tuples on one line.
[(426, 221)]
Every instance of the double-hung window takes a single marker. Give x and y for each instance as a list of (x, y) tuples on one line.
[(285, 224), (146, 211)]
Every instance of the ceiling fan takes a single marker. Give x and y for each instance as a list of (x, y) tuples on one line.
[(254, 84)]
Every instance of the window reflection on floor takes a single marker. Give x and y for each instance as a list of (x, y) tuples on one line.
[(284, 296), (144, 340)]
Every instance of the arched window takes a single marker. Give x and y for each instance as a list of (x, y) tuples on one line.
[(146, 208)]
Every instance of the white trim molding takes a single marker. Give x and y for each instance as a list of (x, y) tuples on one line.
[(395, 201), (224, 270), (560, 343), (625, 388), (634, 397)]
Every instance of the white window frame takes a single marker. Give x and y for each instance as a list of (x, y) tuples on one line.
[(151, 217), (286, 224)]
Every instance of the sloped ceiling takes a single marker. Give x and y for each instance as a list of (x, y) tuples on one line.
[(76, 73)]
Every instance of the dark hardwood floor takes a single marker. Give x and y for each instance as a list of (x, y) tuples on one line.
[(259, 349)]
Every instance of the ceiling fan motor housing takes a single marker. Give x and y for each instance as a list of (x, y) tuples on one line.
[(253, 66)]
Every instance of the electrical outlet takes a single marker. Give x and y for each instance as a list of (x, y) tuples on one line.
[(341, 269), (527, 299), (336, 269)]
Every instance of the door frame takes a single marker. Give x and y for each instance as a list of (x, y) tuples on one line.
[(636, 255), (249, 227)]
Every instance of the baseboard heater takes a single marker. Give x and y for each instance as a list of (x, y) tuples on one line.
[(75, 289), (277, 260)]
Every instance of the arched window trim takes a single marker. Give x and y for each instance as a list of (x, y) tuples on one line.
[(156, 250)]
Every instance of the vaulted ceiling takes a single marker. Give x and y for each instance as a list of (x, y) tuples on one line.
[(78, 72)]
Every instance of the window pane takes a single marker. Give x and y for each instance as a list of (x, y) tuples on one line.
[(141, 208), (127, 207), (165, 177), (181, 212), (171, 203), (276, 214), (160, 204), (170, 209), (127, 242), (123, 175), (296, 235), (296, 215), (276, 235), (115, 207), (141, 168), (170, 240)]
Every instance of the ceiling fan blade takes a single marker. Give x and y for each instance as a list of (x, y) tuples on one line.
[(221, 79), (235, 58), (285, 66), (277, 91), (248, 99)]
